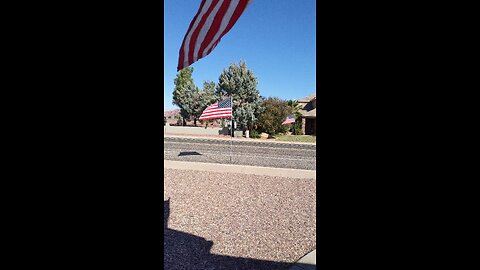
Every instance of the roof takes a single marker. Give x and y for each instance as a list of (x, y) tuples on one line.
[(309, 114), (309, 109), (308, 98)]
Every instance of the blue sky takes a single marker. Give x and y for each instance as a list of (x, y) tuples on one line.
[(276, 39)]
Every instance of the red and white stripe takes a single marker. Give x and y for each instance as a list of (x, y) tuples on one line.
[(288, 121), (213, 112), (213, 20)]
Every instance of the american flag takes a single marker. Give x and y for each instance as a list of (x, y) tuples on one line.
[(290, 119), (221, 109), (213, 20)]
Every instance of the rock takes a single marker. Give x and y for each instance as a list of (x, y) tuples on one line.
[(264, 136)]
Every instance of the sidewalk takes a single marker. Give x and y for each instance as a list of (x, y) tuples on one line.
[(308, 262), (243, 169)]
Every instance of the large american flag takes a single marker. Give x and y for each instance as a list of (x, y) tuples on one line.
[(213, 20), (221, 109)]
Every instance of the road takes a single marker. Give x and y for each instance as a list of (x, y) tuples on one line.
[(253, 153)]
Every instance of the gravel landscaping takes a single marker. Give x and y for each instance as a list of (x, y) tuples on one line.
[(236, 221), (252, 153)]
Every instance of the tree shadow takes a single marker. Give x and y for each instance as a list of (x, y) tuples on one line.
[(184, 251)]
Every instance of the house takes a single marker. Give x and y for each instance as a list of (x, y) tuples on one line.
[(309, 114)]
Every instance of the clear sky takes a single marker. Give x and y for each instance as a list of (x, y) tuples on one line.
[(276, 39)]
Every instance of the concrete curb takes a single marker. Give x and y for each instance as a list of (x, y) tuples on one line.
[(216, 167)]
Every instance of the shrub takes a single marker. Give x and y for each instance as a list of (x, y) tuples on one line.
[(297, 129), (255, 134), (271, 119)]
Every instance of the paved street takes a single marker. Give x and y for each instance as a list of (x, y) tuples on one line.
[(254, 153)]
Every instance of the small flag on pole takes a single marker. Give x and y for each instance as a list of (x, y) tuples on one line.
[(213, 20), (221, 109), (290, 119)]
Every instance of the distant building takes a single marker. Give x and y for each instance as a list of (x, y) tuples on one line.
[(309, 114)]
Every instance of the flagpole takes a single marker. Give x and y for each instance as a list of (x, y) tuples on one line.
[(231, 127), (231, 104)]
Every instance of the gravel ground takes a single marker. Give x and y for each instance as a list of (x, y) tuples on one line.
[(237, 141), (237, 221)]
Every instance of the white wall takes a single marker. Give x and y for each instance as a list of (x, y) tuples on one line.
[(179, 130)]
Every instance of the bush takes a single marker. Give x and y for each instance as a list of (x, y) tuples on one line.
[(255, 134), (271, 119), (297, 129)]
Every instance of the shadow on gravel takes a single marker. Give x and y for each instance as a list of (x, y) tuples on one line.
[(187, 251), (189, 154)]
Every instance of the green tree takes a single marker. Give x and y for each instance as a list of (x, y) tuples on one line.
[(208, 95), (200, 100), (296, 128), (238, 81), (295, 108), (271, 119), (184, 93)]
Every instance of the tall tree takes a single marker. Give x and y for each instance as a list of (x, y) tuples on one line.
[(184, 92), (238, 81), (201, 99), (209, 96)]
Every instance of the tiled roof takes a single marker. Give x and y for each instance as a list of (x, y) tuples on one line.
[(308, 98), (311, 113), (308, 106)]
